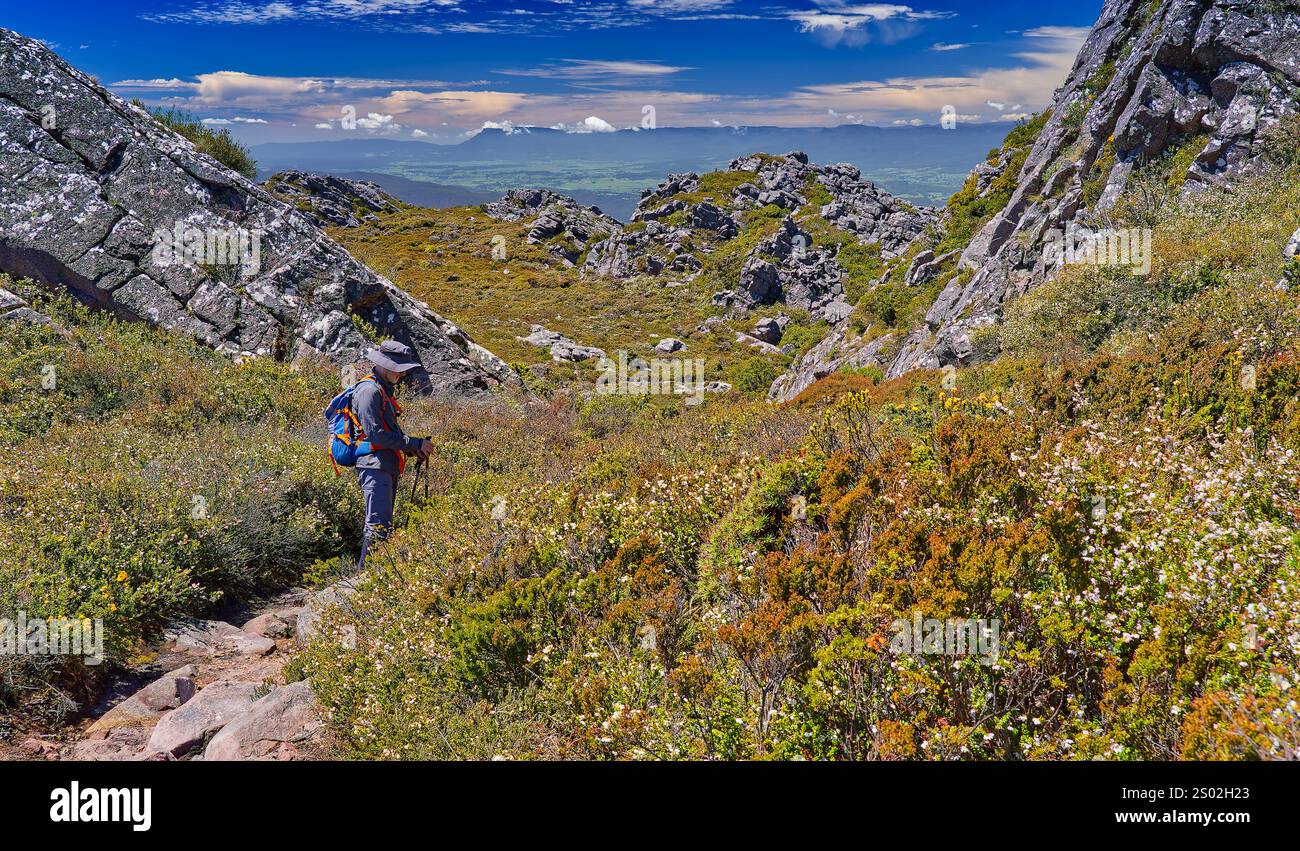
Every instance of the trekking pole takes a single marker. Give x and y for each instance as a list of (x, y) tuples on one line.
[(421, 472)]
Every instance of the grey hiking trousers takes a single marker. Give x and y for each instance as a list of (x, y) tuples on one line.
[(379, 488)]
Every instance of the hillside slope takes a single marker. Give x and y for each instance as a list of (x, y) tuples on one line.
[(1106, 509)]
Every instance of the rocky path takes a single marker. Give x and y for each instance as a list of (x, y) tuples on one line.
[(212, 691)]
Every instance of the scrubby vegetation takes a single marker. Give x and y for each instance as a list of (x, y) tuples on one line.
[(1117, 492), (144, 477), (629, 578)]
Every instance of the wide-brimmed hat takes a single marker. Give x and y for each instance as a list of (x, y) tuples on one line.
[(393, 355)]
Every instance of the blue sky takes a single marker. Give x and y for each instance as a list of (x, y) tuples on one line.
[(439, 70)]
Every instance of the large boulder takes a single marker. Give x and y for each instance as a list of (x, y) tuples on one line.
[(143, 709), (277, 726), (183, 730), (98, 198)]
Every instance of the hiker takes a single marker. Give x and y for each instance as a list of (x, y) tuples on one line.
[(377, 413)]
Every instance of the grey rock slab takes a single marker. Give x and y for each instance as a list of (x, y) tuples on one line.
[(186, 728), (273, 727)]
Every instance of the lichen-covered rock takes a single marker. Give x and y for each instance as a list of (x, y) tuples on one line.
[(561, 347), (565, 227), (1150, 79), (656, 249), (674, 184), (332, 201), (99, 198)]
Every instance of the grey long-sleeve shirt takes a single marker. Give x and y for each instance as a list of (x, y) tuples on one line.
[(379, 421)]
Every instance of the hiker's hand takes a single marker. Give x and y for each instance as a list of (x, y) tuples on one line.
[(425, 450)]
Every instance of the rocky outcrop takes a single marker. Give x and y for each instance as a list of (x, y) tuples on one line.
[(564, 226), (332, 201), (99, 198), (1151, 78), (658, 249), (684, 222), (857, 205), (561, 347), (783, 268)]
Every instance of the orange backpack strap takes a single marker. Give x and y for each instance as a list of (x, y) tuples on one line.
[(383, 394)]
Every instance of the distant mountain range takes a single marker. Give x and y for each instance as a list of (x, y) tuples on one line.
[(922, 165)]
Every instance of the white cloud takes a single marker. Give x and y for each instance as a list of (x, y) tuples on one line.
[(940, 47), (470, 107), (594, 70), (376, 122), (238, 119), (590, 124), (245, 12), (237, 87), (172, 84), (417, 133), (507, 127), (324, 125), (669, 7), (852, 25), (1059, 33)]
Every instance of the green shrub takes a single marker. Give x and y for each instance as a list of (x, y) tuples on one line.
[(754, 374), (218, 144)]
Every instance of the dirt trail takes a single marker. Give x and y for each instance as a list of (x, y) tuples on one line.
[(210, 690)]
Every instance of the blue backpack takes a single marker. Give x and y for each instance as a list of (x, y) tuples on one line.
[(347, 438)]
